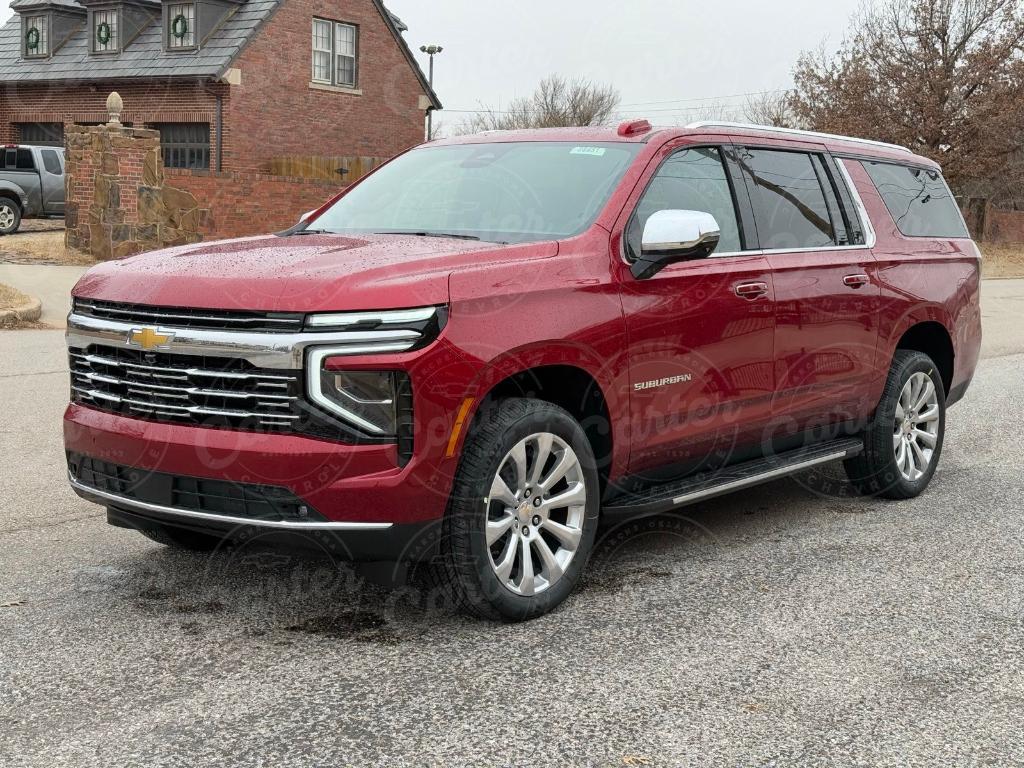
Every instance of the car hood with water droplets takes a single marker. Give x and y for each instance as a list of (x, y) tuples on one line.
[(299, 273)]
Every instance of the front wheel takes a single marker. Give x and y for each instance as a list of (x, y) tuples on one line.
[(523, 513), (10, 216), (903, 443)]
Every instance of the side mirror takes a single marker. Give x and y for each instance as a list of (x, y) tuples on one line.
[(306, 215), (673, 236)]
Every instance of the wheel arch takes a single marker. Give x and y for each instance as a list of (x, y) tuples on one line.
[(570, 387), (933, 339)]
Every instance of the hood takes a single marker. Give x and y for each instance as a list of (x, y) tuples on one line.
[(301, 273)]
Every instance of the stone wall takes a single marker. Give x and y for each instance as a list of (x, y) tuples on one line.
[(117, 201), (121, 200)]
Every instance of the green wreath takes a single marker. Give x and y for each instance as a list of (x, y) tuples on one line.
[(179, 27), (32, 38), (103, 33)]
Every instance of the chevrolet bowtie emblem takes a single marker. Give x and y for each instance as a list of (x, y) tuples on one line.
[(149, 338)]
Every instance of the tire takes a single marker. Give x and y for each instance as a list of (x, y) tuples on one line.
[(881, 470), (181, 538), (472, 571), (10, 216)]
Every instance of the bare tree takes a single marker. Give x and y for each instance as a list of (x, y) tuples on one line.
[(772, 108), (944, 77), (556, 103)]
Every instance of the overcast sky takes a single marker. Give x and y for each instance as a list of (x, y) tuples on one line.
[(669, 60)]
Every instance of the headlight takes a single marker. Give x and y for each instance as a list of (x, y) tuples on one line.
[(378, 402), (363, 398)]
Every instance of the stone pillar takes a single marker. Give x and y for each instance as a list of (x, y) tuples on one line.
[(117, 202)]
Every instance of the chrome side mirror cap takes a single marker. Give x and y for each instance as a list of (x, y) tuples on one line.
[(671, 236)]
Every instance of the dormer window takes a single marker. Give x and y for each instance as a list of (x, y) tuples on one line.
[(180, 24), (105, 31), (36, 31)]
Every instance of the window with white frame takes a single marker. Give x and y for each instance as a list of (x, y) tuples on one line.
[(335, 50), (37, 38), (181, 25), (104, 31)]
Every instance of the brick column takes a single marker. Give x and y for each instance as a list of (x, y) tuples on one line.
[(117, 201)]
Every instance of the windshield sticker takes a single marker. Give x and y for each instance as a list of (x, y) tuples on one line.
[(595, 151)]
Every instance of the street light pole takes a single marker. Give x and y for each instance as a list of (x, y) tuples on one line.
[(431, 51)]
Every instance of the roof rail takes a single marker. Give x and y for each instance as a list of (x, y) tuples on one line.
[(796, 132)]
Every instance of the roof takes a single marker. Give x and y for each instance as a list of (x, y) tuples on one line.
[(838, 145), (20, 5), (146, 56)]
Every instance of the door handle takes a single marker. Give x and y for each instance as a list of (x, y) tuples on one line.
[(855, 281), (751, 291)]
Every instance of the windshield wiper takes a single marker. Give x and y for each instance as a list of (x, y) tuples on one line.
[(431, 234)]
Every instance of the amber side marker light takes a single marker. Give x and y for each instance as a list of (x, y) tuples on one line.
[(460, 419)]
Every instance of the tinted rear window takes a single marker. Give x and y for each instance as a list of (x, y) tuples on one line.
[(918, 199), (789, 203)]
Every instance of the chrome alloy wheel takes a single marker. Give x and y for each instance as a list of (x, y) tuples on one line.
[(535, 513), (916, 429), (6, 216)]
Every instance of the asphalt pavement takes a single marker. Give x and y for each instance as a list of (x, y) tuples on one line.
[(788, 626)]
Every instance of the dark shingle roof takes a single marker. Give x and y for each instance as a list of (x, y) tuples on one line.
[(144, 57), (21, 5)]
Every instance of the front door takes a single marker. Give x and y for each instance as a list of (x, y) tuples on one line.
[(701, 333), (827, 297)]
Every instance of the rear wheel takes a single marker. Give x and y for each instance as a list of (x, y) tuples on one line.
[(903, 443), (181, 538), (10, 216), (523, 514)]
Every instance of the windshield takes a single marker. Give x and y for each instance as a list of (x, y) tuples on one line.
[(510, 193)]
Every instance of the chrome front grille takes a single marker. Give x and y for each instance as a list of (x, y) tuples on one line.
[(227, 320), (202, 391), (183, 371)]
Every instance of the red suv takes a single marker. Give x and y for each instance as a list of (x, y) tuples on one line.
[(476, 351)]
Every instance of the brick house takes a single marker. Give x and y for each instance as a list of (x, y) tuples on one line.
[(229, 84)]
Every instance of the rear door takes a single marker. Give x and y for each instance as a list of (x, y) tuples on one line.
[(826, 288), (700, 333)]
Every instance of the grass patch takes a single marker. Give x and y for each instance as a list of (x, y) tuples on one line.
[(1002, 260), (43, 248), (11, 297)]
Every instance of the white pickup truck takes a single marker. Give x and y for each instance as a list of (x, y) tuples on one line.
[(31, 184)]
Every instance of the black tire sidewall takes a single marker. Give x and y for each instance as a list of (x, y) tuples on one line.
[(515, 420), (882, 475)]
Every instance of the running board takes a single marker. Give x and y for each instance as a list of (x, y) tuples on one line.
[(707, 485)]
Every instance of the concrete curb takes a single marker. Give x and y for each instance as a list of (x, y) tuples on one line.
[(29, 312)]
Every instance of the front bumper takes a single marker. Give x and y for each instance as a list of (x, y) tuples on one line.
[(396, 543), (352, 485)]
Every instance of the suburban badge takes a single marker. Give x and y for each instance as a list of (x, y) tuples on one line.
[(640, 386)]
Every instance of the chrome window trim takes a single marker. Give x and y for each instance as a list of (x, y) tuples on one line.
[(105, 498), (858, 203), (263, 350), (316, 394)]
